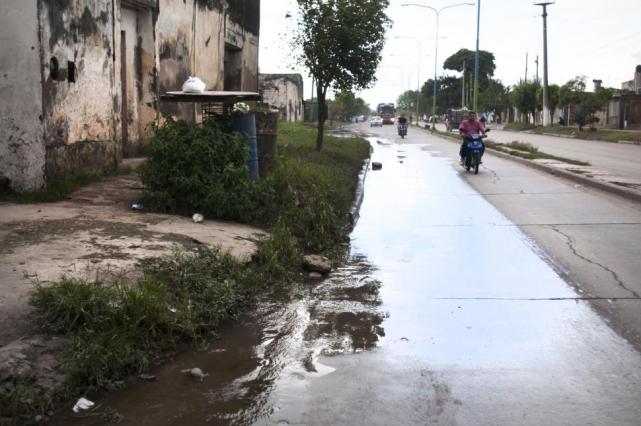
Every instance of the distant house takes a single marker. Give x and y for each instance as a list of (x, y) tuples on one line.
[(81, 79), (285, 93), (624, 110)]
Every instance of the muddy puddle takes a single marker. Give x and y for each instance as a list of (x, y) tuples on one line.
[(280, 340)]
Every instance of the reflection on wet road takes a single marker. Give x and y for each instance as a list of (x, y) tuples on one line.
[(444, 314)]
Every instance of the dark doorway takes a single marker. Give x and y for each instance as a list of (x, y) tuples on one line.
[(233, 68)]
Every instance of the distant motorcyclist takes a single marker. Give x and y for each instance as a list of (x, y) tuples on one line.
[(401, 124), (469, 128)]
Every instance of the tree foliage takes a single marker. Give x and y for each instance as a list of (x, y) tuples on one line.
[(346, 104), (524, 97), (586, 104), (340, 43), (464, 59), (554, 98), (406, 102), (448, 93), (495, 97)]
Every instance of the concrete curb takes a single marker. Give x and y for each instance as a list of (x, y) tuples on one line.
[(558, 135), (588, 182)]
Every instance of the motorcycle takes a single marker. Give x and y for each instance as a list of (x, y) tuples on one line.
[(402, 130), (473, 152)]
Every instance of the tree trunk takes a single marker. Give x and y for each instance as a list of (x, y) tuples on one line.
[(322, 115)]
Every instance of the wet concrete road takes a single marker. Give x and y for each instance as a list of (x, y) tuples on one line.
[(445, 314)]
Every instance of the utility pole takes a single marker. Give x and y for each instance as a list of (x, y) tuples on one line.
[(476, 57), (526, 61), (463, 88), (547, 118)]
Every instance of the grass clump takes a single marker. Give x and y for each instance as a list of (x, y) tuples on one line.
[(518, 127), (605, 135), (530, 152), (119, 329), (202, 169), (58, 189), (55, 191)]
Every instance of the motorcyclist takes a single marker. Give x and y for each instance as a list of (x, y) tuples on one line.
[(402, 121), (467, 129)]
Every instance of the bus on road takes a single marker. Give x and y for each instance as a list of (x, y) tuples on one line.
[(387, 112)]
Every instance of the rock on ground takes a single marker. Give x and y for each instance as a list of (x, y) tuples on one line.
[(316, 263)]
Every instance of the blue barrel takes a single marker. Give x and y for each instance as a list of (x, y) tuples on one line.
[(246, 124)]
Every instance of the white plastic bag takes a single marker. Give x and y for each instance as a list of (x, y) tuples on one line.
[(82, 404), (194, 85)]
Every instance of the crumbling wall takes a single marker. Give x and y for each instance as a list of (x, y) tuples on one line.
[(22, 153), (243, 31), (175, 44), (285, 93), (79, 91), (191, 39)]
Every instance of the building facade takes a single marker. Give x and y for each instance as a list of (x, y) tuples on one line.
[(285, 93), (83, 88)]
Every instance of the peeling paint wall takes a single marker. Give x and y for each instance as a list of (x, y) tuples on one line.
[(192, 36), (284, 92), (78, 108), (22, 153), (65, 109)]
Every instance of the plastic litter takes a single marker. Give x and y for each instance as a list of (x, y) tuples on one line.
[(194, 85), (195, 372), (197, 218), (82, 404), (147, 377), (136, 206)]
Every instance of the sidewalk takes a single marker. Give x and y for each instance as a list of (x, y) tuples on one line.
[(613, 167)]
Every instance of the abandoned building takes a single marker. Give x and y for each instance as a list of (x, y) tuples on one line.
[(83, 86), (285, 93)]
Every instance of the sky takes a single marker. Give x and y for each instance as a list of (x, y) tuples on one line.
[(598, 39)]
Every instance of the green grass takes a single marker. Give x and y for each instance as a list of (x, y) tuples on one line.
[(518, 149), (530, 152), (201, 169), (58, 189), (55, 191), (122, 328), (518, 127), (606, 135)]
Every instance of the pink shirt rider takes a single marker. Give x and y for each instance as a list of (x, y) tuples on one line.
[(471, 127)]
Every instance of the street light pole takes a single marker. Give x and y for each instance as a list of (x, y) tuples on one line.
[(547, 118), (437, 12), (418, 72), (476, 58)]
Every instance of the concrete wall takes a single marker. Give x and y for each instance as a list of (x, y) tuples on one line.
[(64, 109), (192, 36), (22, 153), (78, 107), (285, 93)]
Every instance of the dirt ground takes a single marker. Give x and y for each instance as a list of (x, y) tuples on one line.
[(92, 233)]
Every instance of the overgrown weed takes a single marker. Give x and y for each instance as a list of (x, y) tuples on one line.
[(122, 327)]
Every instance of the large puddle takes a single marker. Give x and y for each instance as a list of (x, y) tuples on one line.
[(445, 313)]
